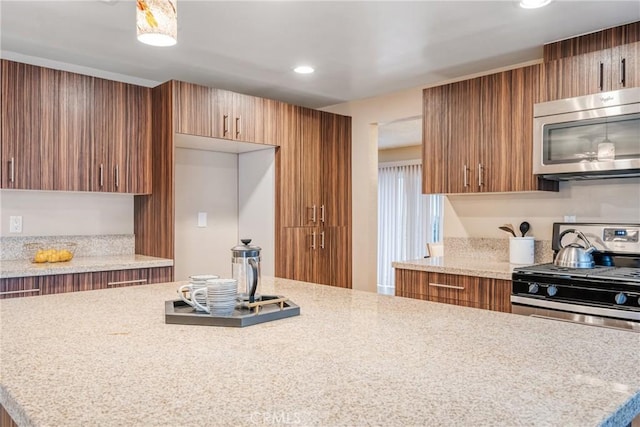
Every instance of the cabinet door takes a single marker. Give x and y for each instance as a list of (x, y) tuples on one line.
[(334, 257), (136, 134), (29, 96), (244, 117), (625, 66), (56, 284), (300, 261), (160, 274), (122, 278), (435, 139), (267, 129), (288, 203), (578, 75), (194, 110), (311, 180), (335, 209), (494, 168), (458, 289), (464, 143), (19, 287)]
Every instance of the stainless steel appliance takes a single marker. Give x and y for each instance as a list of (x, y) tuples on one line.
[(594, 136), (608, 294), (245, 268)]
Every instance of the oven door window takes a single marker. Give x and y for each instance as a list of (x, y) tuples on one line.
[(602, 139)]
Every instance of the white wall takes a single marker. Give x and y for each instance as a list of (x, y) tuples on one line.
[(205, 181), (49, 213), (256, 201), (464, 215)]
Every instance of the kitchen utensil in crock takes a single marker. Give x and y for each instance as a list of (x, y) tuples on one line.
[(524, 228), (508, 228), (574, 255), (245, 268)]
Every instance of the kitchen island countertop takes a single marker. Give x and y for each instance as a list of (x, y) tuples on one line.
[(462, 266), (25, 268), (106, 357)]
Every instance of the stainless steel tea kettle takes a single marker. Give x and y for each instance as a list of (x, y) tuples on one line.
[(575, 255), (245, 268)]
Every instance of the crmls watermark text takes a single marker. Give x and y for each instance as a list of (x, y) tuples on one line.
[(277, 418)]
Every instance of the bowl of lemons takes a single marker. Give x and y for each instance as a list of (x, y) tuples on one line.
[(59, 252)]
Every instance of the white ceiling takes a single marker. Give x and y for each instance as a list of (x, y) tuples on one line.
[(359, 48)]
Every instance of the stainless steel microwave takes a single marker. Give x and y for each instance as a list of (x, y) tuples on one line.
[(593, 136)]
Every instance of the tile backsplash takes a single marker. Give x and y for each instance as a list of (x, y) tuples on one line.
[(492, 249), (12, 248)]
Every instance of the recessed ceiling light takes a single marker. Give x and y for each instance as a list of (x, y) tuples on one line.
[(533, 4), (304, 69)]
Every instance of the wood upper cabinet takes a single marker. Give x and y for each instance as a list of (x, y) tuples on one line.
[(478, 134), (217, 113), (121, 158), (310, 164), (335, 209), (58, 128), (593, 72)]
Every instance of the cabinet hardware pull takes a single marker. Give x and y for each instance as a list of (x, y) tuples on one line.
[(127, 282), (313, 215), (601, 76), (237, 127), (101, 175), (465, 175), (322, 213), (225, 125), (438, 285), (313, 240), (623, 72), (480, 175), (20, 292), (12, 170), (322, 240), (117, 176)]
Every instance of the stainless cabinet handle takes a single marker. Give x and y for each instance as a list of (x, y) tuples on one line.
[(225, 125), (313, 240), (465, 175), (117, 176), (101, 175), (438, 285), (313, 215), (322, 213), (623, 72), (12, 170), (237, 127), (601, 76), (322, 240), (20, 292), (127, 282), (480, 173)]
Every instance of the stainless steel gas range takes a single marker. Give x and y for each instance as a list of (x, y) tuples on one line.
[(607, 294)]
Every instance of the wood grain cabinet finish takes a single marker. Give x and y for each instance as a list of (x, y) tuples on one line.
[(62, 283), (314, 198), (63, 131), (478, 137), (468, 291), (594, 72)]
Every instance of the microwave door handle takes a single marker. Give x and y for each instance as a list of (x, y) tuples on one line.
[(623, 72), (601, 76)]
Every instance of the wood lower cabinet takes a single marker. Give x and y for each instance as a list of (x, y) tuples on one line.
[(468, 291), (62, 283)]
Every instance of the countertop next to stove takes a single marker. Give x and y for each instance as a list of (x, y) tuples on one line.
[(106, 357), (462, 266)]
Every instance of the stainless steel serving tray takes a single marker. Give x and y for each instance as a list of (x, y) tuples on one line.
[(179, 312)]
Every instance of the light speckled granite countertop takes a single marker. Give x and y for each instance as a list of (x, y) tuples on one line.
[(24, 268), (106, 358), (462, 266)]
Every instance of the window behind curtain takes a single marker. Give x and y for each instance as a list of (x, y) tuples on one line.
[(407, 219)]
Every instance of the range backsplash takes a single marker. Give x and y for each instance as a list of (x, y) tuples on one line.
[(12, 248), (491, 249)]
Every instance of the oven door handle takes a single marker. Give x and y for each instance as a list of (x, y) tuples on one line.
[(576, 308)]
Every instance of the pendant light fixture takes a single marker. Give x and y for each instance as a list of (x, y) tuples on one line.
[(157, 22)]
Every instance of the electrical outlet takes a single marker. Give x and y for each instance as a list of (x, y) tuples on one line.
[(569, 218), (15, 224), (202, 219)]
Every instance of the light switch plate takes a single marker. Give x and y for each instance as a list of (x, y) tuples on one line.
[(15, 224), (569, 218), (202, 219)]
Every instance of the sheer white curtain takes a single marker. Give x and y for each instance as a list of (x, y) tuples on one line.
[(407, 219)]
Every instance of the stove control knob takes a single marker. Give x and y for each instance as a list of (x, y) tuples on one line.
[(552, 290), (533, 288), (621, 298)]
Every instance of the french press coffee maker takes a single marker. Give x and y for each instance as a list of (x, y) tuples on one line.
[(245, 268)]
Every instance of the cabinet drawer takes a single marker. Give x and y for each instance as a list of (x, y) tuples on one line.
[(473, 304), (459, 288), (19, 287)]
